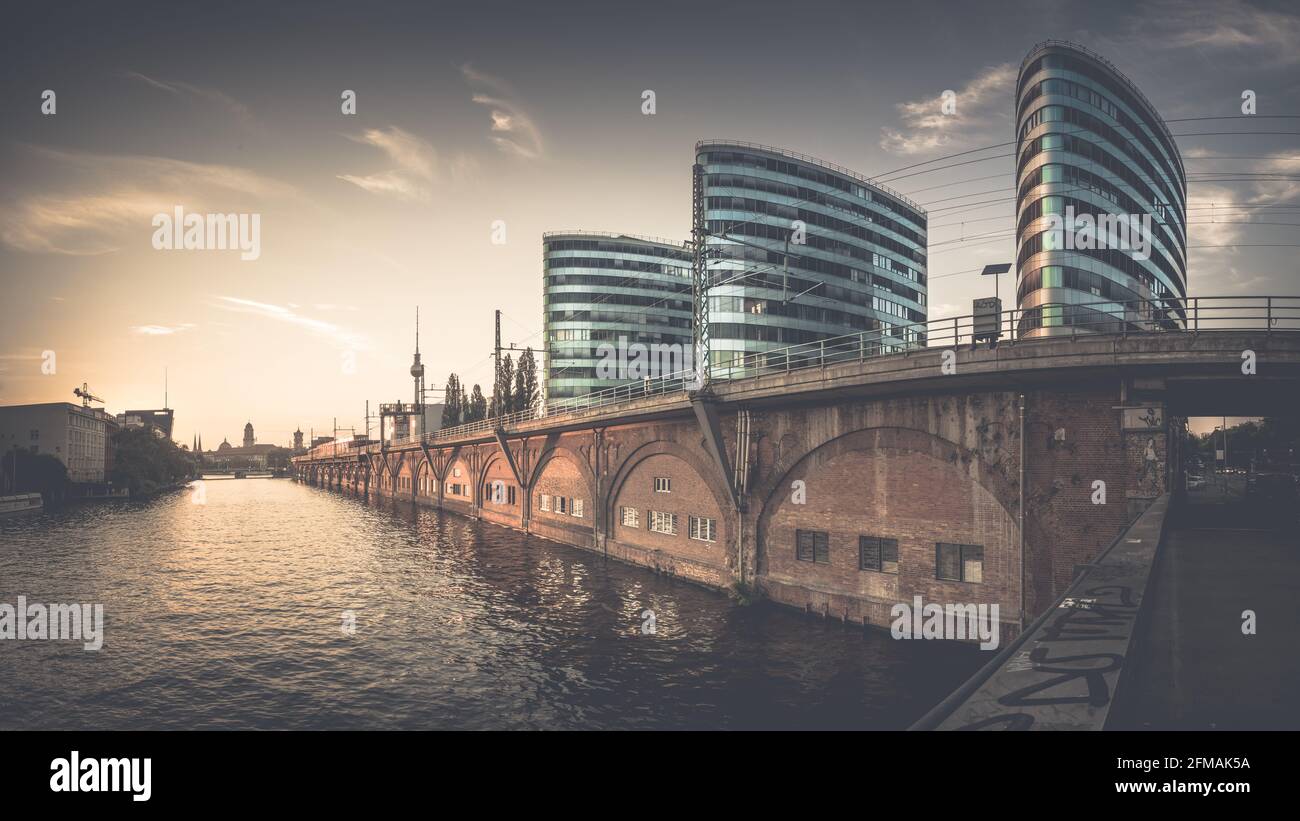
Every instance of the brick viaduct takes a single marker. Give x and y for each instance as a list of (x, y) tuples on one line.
[(892, 447)]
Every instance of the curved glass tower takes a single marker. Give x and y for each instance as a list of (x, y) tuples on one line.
[(617, 290), (1101, 200), (799, 250)]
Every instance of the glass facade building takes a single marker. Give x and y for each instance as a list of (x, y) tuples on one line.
[(1091, 147), (615, 289), (800, 250)]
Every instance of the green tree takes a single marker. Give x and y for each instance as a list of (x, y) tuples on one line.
[(477, 405), (145, 462), (525, 393), (453, 402), (502, 400)]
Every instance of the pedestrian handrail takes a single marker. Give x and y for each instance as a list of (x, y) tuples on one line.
[(1013, 326)]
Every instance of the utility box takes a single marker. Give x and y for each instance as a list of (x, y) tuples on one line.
[(988, 318)]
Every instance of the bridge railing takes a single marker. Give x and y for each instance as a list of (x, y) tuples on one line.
[(1115, 317)]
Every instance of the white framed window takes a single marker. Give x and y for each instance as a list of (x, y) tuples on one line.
[(561, 504), (665, 523), (577, 508), (631, 517), (702, 529), (663, 484), (546, 501)]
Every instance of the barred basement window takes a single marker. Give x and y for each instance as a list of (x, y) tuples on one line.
[(877, 554), (663, 522), (813, 546), (546, 501), (663, 484), (701, 529), (631, 518), (577, 508), (959, 562)]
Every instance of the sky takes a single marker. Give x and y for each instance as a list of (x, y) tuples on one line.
[(478, 127)]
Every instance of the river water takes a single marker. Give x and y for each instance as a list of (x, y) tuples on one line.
[(231, 614)]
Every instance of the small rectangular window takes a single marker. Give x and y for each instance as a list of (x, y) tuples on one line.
[(561, 504), (546, 501), (812, 546), (959, 562), (702, 529), (577, 508), (665, 523), (663, 484), (878, 554), (631, 518)]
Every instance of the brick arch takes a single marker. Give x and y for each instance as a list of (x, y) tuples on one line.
[(910, 440), (704, 469), (925, 513), (424, 472), (573, 456), (408, 467), (540, 519), (469, 477)]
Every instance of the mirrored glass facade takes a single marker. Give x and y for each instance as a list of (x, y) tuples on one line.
[(800, 250), (607, 289), (1094, 159)]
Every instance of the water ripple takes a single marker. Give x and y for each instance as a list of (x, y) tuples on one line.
[(229, 615)]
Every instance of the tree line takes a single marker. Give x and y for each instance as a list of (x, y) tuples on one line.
[(515, 389)]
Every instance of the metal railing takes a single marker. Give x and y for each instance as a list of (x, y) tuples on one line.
[(1013, 326)]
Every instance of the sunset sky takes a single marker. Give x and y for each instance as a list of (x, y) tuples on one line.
[(531, 114)]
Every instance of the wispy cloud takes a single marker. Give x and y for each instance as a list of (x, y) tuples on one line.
[(198, 94), (344, 338), (513, 131), (160, 330), (1227, 25), (980, 106), (105, 197), (416, 162)]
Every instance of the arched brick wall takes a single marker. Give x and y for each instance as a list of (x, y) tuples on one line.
[(692, 494), (891, 483), (563, 472)]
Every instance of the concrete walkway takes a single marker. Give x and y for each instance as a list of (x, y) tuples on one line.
[(1194, 668), (1063, 673)]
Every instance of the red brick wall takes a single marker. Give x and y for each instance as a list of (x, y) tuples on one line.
[(690, 496), (562, 477), (501, 512), (1072, 439), (900, 494)]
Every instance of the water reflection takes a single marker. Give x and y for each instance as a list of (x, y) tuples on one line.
[(229, 614)]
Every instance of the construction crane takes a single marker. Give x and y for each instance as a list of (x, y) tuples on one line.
[(86, 396)]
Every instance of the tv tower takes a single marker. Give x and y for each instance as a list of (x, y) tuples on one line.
[(417, 370)]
